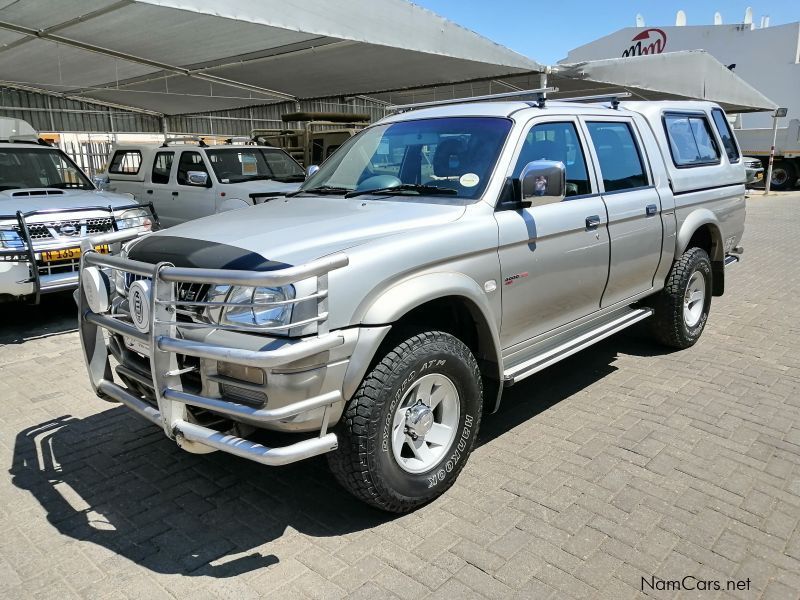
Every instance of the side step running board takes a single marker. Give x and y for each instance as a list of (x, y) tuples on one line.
[(541, 361)]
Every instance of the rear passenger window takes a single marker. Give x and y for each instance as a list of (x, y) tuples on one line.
[(126, 162), (726, 135), (690, 140), (621, 164), (162, 166), (557, 141)]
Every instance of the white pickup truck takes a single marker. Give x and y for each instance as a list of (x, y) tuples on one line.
[(185, 181), (48, 207)]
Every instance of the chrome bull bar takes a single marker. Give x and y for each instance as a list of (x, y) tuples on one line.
[(165, 345)]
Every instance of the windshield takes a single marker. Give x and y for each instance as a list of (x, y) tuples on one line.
[(39, 168), (454, 154), (250, 163)]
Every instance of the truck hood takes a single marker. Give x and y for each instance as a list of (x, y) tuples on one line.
[(31, 199), (294, 230)]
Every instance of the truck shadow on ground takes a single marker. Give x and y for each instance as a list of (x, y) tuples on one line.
[(20, 322), (115, 480)]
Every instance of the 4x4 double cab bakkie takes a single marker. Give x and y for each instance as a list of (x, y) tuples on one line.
[(48, 207), (440, 255), (185, 179)]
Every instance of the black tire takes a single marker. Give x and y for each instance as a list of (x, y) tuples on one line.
[(365, 463), (668, 323), (784, 175)]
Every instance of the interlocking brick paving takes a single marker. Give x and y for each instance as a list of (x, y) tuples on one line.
[(624, 462)]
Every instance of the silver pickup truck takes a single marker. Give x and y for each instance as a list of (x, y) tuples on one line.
[(441, 255)]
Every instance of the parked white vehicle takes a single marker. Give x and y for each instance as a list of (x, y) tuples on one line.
[(185, 181), (47, 208)]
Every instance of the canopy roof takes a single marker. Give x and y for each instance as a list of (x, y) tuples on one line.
[(182, 56), (692, 75), (190, 56)]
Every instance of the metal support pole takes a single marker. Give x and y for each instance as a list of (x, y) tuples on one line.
[(768, 181)]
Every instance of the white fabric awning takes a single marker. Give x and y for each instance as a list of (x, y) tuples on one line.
[(183, 56), (694, 75)]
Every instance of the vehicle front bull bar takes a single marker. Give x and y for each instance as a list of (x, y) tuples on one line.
[(166, 345)]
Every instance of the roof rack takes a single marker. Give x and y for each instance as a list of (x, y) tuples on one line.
[(241, 140), (612, 98), (540, 93), (182, 140)]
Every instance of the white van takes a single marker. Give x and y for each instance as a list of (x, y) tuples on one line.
[(186, 181)]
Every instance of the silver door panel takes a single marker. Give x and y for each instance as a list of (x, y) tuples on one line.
[(554, 268)]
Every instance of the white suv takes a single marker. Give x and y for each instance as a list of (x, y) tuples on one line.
[(186, 181)]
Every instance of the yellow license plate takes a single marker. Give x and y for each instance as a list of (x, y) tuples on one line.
[(69, 253), (759, 176)]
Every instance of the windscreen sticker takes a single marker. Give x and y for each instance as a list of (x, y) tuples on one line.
[(469, 180)]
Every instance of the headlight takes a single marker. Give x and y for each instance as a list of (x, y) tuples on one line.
[(137, 217), (260, 306), (9, 238)]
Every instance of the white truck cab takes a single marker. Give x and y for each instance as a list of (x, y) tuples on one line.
[(186, 179)]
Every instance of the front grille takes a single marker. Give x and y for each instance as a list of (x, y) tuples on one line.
[(188, 292), (753, 164), (68, 229)]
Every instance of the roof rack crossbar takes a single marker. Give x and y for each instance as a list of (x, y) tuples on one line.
[(613, 98), (183, 139), (539, 92)]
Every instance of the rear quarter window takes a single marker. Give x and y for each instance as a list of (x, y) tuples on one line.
[(691, 142), (126, 162), (726, 135)]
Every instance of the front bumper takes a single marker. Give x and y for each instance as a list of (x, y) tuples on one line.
[(304, 377), (754, 175)]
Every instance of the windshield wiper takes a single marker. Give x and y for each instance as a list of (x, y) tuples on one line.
[(323, 189), (421, 189)]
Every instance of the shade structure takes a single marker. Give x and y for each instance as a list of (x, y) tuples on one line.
[(184, 56), (694, 75)]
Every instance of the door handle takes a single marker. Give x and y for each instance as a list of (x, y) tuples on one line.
[(651, 210), (593, 222), (174, 193), (149, 191)]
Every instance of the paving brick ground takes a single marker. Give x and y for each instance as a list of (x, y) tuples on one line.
[(619, 464)]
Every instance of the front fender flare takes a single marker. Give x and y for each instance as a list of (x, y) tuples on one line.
[(397, 301)]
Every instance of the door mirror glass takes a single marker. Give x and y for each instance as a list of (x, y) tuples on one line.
[(542, 182), (311, 170), (198, 178)]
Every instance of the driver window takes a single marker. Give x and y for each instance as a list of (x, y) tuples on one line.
[(559, 142), (191, 161)]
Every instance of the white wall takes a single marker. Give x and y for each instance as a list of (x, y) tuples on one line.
[(766, 58)]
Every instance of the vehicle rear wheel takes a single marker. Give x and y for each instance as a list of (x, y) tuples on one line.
[(682, 307), (784, 175), (411, 425)]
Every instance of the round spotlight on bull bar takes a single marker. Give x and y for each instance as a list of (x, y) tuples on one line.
[(96, 286), (139, 304)]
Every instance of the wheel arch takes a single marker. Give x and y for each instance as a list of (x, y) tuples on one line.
[(701, 229), (450, 302)]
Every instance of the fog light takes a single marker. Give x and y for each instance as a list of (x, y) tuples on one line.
[(252, 375)]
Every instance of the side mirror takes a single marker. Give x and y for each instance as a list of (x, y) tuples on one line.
[(311, 170), (542, 182), (198, 178), (101, 182)]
